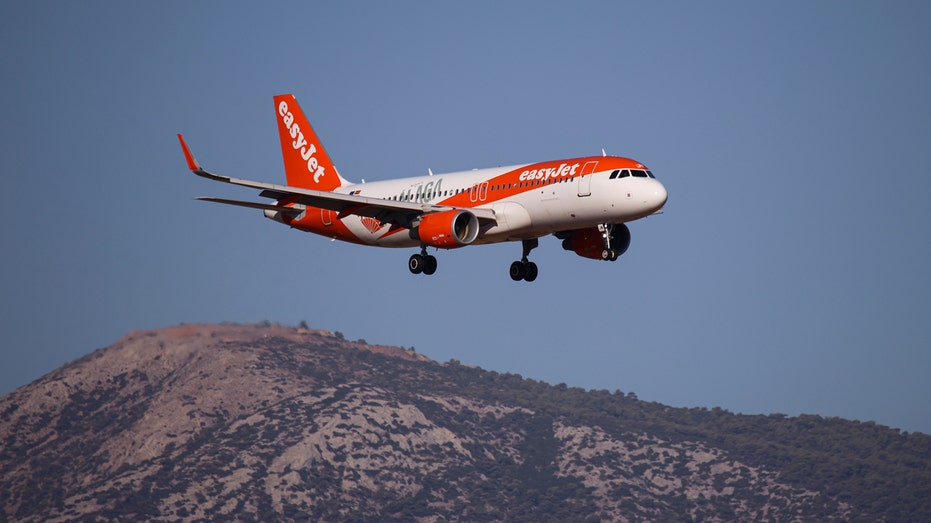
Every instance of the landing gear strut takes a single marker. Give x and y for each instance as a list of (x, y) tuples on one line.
[(612, 247), (525, 269), (422, 263)]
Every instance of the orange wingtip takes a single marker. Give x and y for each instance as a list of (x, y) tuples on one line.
[(191, 162)]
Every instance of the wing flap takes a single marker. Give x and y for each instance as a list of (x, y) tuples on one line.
[(252, 205)]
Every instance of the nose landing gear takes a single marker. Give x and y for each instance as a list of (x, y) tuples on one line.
[(616, 240), (525, 269)]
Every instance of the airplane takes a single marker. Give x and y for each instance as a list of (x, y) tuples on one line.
[(585, 202)]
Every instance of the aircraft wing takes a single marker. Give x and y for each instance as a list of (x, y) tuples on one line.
[(387, 211)]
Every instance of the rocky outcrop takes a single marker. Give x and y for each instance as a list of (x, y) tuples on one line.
[(261, 422)]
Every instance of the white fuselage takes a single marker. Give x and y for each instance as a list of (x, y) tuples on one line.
[(524, 208)]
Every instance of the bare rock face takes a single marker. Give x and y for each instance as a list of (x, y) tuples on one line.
[(260, 422)]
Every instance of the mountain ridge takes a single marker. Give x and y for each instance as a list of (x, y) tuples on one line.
[(267, 422)]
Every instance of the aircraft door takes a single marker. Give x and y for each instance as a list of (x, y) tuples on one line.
[(478, 193), (585, 180)]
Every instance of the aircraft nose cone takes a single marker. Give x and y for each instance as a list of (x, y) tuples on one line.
[(658, 197)]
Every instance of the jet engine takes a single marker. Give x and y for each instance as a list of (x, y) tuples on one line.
[(448, 229), (588, 243)]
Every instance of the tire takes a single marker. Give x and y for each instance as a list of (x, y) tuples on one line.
[(416, 264), (530, 271), (429, 266), (517, 271)]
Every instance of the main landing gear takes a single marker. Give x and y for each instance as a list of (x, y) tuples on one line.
[(422, 263), (525, 269)]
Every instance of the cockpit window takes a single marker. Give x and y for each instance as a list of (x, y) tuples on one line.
[(638, 173)]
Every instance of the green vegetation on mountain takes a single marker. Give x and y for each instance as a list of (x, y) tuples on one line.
[(269, 423)]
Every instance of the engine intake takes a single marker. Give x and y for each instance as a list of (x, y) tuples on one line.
[(448, 229), (588, 243)]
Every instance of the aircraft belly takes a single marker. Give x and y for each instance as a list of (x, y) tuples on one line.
[(397, 239)]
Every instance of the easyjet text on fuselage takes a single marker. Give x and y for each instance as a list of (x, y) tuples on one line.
[(564, 169)]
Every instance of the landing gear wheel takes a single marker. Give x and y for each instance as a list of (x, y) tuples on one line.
[(521, 270), (525, 269), (422, 263), (416, 264), (530, 271), (517, 271), (429, 266)]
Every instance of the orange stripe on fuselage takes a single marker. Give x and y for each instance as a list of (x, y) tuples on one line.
[(501, 187), (510, 184)]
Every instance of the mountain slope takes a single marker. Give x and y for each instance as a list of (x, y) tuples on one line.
[(268, 423)]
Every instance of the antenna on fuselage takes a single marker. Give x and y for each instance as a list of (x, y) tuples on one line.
[(429, 170), (603, 153)]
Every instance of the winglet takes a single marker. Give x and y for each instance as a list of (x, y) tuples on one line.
[(195, 167), (191, 161)]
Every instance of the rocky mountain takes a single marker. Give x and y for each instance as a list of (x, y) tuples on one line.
[(265, 423)]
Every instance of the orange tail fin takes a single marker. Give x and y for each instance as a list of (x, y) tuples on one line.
[(306, 163)]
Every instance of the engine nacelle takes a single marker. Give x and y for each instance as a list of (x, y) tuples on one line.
[(589, 244), (448, 229)]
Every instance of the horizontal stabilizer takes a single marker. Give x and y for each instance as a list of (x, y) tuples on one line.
[(253, 205)]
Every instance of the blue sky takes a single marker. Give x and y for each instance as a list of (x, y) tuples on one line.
[(789, 274)]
